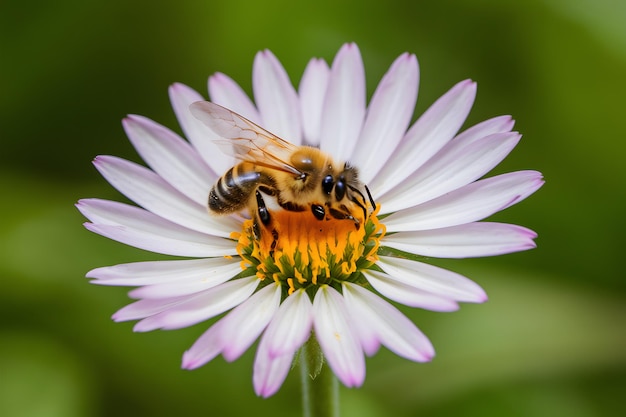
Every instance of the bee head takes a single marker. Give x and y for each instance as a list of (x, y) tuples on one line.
[(338, 184)]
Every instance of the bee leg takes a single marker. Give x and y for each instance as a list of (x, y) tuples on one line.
[(262, 214), (344, 215), (267, 190), (262, 211), (274, 242), (318, 211), (255, 230)]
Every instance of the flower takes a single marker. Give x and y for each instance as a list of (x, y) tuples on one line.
[(425, 179)]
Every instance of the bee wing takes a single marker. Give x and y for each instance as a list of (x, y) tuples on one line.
[(249, 141)]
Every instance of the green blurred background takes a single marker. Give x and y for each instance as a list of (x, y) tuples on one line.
[(551, 340)]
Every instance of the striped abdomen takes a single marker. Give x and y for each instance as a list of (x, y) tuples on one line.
[(233, 190)]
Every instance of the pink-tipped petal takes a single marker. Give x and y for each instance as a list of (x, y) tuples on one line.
[(432, 279), (205, 349), (334, 332), (499, 124), (227, 93), (436, 127), (269, 371), (245, 323), (276, 98), (467, 204), (406, 294), (146, 308), (388, 116), (210, 278), (161, 272), (291, 326), (368, 336), (153, 193), (456, 165), (173, 158), (202, 306), (201, 137), (344, 104), (312, 91), (392, 327), (144, 230), (465, 241)]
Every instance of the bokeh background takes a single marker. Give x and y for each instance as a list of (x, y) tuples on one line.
[(550, 342)]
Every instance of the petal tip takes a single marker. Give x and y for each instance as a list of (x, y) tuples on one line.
[(176, 87), (217, 78), (469, 85), (189, 362), (348, 48), (408, 57), (264, 391)]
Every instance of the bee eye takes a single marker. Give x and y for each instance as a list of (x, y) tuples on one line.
[(340, 189), (327, 184)]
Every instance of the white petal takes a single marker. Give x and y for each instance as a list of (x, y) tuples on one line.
[(467, 204), (291, 326), (145, 308), (171, 157), (201, 136), (269, 372), (227, 93), (233, 334), (406, 294), (161, 272), (151, 192), (456, 165), (205, 349), (499, 124), (432, 279), (190, 285), (201, 306), (392, 327), (246, 322), (312, 91), (464, 241), (276, 98), (436, 127), (340, 344), (388, 117), (140, 228), (344, 104), (368, 336)]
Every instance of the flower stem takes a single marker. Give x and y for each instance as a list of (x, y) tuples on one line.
[(320, 388)]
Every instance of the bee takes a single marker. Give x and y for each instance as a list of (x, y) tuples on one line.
[(298, 178)]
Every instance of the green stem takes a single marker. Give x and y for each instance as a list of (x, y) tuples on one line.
[(320, 388)]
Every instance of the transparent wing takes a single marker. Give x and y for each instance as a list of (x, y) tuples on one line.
[(245, 140)]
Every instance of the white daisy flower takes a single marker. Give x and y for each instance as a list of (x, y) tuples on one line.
[(311, 274)]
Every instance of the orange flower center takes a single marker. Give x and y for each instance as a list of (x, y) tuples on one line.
[(300, 251)]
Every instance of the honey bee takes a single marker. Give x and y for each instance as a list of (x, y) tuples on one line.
[(299, 178)]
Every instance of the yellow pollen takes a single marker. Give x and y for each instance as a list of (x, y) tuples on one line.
[(299, 277)]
